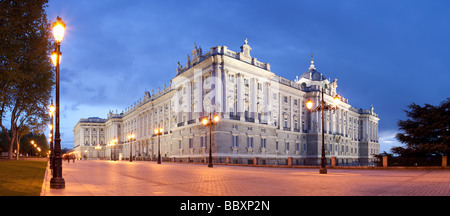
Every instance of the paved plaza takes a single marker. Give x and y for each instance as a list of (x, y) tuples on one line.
[(145, 178)]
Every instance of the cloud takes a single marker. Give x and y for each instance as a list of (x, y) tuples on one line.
[(387, 140)]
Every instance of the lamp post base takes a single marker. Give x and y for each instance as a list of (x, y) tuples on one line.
[(323, 170), (210, 165), (57, 183)]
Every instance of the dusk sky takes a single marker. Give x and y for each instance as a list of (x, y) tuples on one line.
[(388, 54)]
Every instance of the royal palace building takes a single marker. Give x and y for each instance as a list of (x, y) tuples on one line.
[(263, 117)]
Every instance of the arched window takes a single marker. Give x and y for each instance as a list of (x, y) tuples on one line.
[(296, 122), (286, 120)]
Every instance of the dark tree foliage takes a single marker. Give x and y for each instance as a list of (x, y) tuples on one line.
[(25, 144), (426, 131), (26, 71), (39, 139)]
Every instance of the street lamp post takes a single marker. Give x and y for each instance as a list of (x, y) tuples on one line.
[(159, 131), (113, 145), (32, 145), (131, 137), (52, 111), (98, 148), (210, 121), (322, 107), (110, 150), (57, 182)]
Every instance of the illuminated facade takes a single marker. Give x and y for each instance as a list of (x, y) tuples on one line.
[(264, 118)]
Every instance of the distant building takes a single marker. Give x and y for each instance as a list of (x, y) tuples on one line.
[(263, 116)]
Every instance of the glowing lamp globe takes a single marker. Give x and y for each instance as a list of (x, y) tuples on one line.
[(58, 29), (54, 56), (216, 118), (309, 104), (205, 121), (336, 100)]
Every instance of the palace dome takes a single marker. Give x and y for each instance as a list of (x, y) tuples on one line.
[(313, 74)]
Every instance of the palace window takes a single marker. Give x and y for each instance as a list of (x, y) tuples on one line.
[(202, 142), (235, 141), (249, 142), (231, 78), (263, 142)]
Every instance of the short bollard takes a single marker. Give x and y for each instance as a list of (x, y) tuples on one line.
[(289, 161), (385, 161), (333, 161)]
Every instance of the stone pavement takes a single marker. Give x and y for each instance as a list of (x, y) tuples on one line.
[(145, 178)]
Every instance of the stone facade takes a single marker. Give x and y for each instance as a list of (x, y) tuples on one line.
[(264, 118)]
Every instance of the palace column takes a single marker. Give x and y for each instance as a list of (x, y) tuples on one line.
[(240, 96), (225, 94), (253, 98), (198, 94)]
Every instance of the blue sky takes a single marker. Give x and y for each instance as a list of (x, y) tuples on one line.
[(384, 53)]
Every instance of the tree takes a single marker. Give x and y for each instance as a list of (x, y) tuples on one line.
[(26, 72), (39, 139), (25, 143), (426, 132)]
